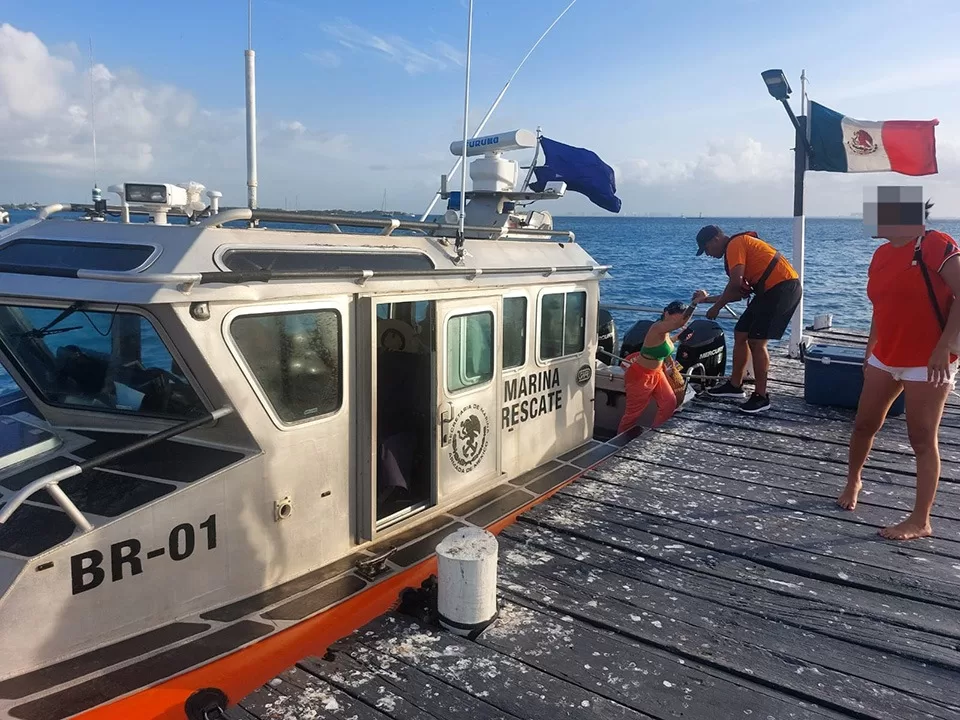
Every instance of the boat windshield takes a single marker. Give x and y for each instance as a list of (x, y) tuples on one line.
[(96, 360)]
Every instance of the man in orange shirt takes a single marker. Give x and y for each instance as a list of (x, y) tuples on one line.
[(754, 268)]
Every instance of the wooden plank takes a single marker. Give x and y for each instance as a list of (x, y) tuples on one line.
[(789, 385), (362, 672), (282, 700), (797, 495), (738, 436), (508, 684), (627, 671), (627, 607), (828, 560), (796, 410), (385, 701), (584, 521), (890, 450), (889, 654), (678, 456), (834, 427), (821, 430), (238, 713), (935, 560), (664, 444)]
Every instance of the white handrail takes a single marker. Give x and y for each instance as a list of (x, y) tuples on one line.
[(50, 484)]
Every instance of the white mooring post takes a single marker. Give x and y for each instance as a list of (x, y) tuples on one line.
[(467, 580)]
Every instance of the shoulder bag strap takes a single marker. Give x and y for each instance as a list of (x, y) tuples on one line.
[(918, 260)]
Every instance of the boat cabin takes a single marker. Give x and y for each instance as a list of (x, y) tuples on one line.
[(211, 409)]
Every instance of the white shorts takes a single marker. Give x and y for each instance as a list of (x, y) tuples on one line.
[(910, 374)]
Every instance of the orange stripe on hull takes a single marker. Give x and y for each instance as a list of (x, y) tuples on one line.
[(242, 672)]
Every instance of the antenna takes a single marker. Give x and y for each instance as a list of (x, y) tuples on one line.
[(251, 112), (496, 102), (93, 115), (466, 130)]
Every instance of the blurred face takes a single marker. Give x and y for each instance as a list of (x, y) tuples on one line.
[(894, 213)]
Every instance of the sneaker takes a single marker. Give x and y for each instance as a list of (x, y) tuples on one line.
[(728, 389), (756, 404)]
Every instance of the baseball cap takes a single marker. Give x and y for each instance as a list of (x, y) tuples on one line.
[(706, 234)]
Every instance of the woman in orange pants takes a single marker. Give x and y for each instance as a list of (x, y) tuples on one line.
[(644, 377)]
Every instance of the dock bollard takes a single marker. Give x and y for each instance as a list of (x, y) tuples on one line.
[(467, 580)]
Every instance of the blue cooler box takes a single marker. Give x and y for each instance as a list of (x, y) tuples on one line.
[(834, 376)]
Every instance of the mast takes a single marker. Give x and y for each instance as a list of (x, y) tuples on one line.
[(466, 127), (251, 113), (93, 117)]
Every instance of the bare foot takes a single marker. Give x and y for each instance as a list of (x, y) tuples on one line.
[(909, 529), (848, 498)]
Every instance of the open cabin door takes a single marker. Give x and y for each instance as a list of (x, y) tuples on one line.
[(397, 347), (468, 390)]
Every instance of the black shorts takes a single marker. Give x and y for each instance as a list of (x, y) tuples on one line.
[(768, 314)]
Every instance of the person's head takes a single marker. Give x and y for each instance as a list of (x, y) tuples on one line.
[(676, 314), (895, 212), (712, 241)]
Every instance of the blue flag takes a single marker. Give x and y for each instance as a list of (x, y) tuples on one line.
[(582, 170)]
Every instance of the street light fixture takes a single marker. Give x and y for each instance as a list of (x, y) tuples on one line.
[(779, 89), (777, 84)]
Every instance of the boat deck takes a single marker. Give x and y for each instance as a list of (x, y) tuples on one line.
[(702, 571)]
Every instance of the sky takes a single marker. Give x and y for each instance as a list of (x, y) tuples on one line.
[(360, 98)]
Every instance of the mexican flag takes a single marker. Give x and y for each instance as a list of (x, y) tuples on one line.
[(842, 144)]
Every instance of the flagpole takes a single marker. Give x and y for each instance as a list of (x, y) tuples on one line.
[(799, 219)]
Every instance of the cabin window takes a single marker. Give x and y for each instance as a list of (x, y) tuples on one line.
[(514, 332), (296, 359), (469, 350), (61, 254), (563, 319), (307, 261), (97, 360)]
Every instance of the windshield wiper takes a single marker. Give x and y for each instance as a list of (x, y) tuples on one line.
[(48, 328)]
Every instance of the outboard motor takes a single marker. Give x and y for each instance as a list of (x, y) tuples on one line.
[(606, 337), (633, 340), (702, 343)]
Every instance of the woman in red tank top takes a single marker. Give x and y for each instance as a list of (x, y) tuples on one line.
[(908, 350)]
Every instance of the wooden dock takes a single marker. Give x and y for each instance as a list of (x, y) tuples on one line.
[(703, 572)]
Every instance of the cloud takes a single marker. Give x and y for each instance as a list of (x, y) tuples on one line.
[(288, 138), (725, 162), (436, 55), (30, 77), (324, 58), (144, 128)]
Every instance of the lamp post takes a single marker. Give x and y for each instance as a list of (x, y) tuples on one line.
[(779, 89)]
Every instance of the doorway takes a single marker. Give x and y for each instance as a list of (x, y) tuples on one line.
[(405, 391)]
